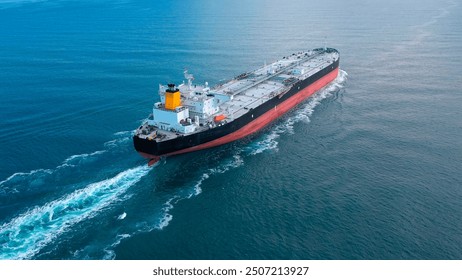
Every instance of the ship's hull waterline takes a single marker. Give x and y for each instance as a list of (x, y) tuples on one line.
[(254, 120)]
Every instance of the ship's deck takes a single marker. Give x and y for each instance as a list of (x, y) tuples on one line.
[(250, 90), (268, 81)]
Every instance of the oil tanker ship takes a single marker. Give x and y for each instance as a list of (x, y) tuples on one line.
[(191, 117)]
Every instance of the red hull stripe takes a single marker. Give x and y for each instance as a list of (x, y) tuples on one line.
[(264, 119), (148, 156)]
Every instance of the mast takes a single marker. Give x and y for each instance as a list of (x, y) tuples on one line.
[(189, 77)]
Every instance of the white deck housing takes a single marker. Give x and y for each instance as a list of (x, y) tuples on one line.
[(201, 104)]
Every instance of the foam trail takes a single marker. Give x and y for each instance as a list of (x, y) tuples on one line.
[(166, 217), (124, 133), (72, 160), (25, 178), (21, 181), (25, 235), (110, 254), (235, 162), (123, 136), (22, 175), (197, 186)]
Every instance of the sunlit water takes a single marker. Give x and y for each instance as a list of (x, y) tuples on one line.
[(368, 168)]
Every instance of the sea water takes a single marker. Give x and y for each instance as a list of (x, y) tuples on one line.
[(368, 168)]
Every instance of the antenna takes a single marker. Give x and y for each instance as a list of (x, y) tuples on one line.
[(189, 77)]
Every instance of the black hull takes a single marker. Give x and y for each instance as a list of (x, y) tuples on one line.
[(152, 148)]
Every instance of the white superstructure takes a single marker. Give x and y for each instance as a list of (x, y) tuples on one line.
[(191, 108)]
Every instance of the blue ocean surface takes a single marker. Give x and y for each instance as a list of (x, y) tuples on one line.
[(368, 168)]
